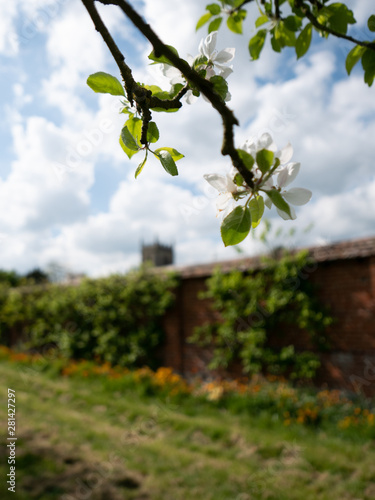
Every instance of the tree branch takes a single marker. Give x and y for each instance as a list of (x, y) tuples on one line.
[(277, 9), (310, 16), (239, 7), (125, 71), (144, 97)]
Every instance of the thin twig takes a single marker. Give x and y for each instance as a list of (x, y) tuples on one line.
[(239, 7), (277, 9), (310, 16), (143, 96)]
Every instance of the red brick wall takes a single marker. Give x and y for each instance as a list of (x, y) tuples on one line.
[(346, 286)]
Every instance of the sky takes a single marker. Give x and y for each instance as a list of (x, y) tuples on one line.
[(67, 191)]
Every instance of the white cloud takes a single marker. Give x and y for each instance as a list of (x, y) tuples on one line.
[(8, 37), (34, 195), (46, 211)]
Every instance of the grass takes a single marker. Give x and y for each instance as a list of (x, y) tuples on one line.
[(83, 438)]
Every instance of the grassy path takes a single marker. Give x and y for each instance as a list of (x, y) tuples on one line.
[(78, 439)]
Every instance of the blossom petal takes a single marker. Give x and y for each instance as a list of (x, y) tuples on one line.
[(228, 209), (268, 202), (250, 147), (190, 97), (172, 73), (201, 47), (190, 59), (207, 46), (268, 184), (232, 172), (288, 174), (264, 141), (293, 169), (285, 154), (282, 178), (224, 56), (231, 186), (210, 72), (223, 200), (219, 182), (225, 71), (285, 216), (297, 196)]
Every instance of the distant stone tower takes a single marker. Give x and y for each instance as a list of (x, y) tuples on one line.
[(159, 255)]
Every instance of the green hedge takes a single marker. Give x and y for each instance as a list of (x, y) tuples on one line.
[(255, 305), (117, 318)]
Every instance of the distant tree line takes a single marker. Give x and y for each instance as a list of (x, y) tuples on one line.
[(14, 279)]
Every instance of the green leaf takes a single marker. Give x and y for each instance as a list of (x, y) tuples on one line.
[(220, 86), (154, 89), (238, 180), (164, 95), (274, 43), (140, 167), (129, 140), (203, 20), (163, 110), (303, 41), (167, 162), (293, 23), (279, 201), (336, 16), (152, 132), (215, 24), (234, 23), (261, 20), (162, 59), (285, 37), (214, 8), (268, 8), (175, 89), (247, 159), (128, 152), (353, 57), (236, 226), (105, 84), (199, 61), (134, 125), (256, 44), (296, 10), (173, 152), (256, 206), (368, 64), (126, 110), (371, 23), (264, 159)]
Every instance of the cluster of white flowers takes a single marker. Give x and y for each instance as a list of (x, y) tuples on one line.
[(209, 59), (231, 191)]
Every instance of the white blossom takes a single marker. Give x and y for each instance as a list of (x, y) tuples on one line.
[(173, 74), (264, 182), (220, 60), (252, 145), (175, 77), (226, 187), (215, 60), (294, 196)]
